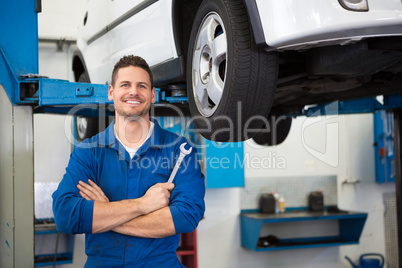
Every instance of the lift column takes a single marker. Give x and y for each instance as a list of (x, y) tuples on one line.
[(16, 185), (398, 175), (18, 56)]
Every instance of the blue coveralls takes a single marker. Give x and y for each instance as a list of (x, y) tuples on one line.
[(104, 160)]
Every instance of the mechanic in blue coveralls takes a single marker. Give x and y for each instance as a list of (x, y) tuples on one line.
[(116, 189)]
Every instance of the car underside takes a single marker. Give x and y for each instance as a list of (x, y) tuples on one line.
[(367, 68), (232, 78)]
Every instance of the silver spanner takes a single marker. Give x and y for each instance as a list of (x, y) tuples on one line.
[(183, 153)]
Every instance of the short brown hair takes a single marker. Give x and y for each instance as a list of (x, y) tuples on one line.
[(135, 61)]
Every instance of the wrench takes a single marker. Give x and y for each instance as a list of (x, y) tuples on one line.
[(183, 153)]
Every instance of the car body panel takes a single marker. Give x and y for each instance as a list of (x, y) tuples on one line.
[(295, 24), (327, 52), (286, 25), (154, 26), (147, 32)]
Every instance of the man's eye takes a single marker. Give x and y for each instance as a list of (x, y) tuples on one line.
[(124, 85)]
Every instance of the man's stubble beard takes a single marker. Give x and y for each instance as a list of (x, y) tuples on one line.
[(137, 116)]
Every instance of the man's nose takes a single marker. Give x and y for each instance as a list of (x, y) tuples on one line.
[(133, 90)]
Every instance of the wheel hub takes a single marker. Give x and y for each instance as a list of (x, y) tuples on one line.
[(205, 64)]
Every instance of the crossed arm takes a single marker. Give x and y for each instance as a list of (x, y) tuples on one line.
[(148, 216)]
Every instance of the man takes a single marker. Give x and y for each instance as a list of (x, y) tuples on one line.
[(115, 188)]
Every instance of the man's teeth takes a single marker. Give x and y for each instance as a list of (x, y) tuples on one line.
[(133, 102)]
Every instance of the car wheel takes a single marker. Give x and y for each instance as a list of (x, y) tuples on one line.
[(276, 133), (84, 78), (85, 127), (231, 82)]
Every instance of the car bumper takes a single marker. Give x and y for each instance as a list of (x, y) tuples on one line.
[(296, 25)]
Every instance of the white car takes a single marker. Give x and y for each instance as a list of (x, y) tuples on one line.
[(242, 60)]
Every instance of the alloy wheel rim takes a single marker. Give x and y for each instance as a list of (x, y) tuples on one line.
[(209, 64), (81, 126)]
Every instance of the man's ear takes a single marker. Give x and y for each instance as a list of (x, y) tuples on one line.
[(110, 93), (153, 99)]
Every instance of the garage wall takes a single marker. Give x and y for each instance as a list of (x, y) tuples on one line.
[(340, 146), (59, 19), (351, 143)]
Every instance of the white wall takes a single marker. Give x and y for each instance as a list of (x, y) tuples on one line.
[(52, 148), (351, 144), (348, 154), (59, 19)]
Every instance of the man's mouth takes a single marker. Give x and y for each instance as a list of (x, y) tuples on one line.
[(132, 101)]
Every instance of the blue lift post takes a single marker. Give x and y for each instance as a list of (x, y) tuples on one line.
[(398, 175), (18, 56), (384, 154), (22, 90)]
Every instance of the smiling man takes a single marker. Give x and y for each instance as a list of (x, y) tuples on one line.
[(131, 215)]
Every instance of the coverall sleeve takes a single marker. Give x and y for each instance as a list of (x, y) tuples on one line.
[(187, 200), (72, 213)]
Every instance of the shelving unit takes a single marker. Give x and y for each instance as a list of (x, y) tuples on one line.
[(48, 258), (187, 251), (350, 226)]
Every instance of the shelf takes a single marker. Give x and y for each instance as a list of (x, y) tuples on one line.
[(182, 252), (46, 233), (48, 259), (45, 228), (350, 226), (187, 251)]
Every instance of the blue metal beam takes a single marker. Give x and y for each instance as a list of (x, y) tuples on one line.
[(367, 105), (61, 92)]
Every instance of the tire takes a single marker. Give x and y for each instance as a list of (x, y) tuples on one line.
[(279, 128), (85, 127), (229, 79), (84, 78)]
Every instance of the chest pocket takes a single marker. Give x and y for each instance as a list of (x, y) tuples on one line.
[(112, 176), (156, 168)]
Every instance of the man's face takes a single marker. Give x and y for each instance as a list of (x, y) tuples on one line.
[(132, 93)]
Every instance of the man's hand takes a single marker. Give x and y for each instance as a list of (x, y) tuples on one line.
[(155, 200), (91, 191), (157, 197)]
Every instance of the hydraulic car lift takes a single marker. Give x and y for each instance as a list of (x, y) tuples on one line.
[(23, 92)]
